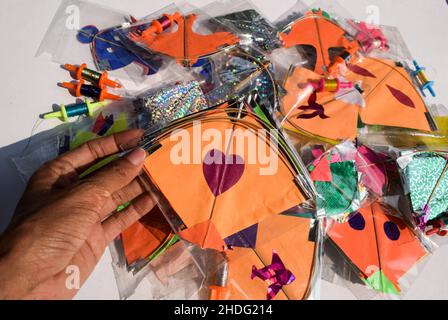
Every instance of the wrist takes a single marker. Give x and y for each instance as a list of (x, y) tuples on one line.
[(6, 283), (14, 283)]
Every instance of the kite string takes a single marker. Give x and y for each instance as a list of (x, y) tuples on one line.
[(36, 126), (320, 43), (439, 181), (377, 246), (223, 173)]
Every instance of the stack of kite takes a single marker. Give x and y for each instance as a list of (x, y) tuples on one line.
[(336, 127)]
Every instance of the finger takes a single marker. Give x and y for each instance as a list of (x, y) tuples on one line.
[(67, 168), (120, 222), (124, 196), (97, 189), (94, 150)]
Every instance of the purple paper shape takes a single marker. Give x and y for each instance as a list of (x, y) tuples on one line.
[(391, 230), (222, 172), (402, 97), (244, 239), (357, 222), (360, 70), (276, 275)]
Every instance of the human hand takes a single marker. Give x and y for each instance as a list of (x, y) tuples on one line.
[(64, 221)]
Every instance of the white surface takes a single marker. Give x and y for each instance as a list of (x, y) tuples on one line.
[(28, 89)]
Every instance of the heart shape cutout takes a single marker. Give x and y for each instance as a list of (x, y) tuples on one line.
[(222, 172)]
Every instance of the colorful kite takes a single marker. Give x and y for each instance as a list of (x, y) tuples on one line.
[(184, 44), (389, 98), (320, 37), (221, 172), (382, 247), (288, 274)]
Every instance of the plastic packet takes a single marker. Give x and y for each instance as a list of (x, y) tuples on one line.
[(181, 33), (330, 108), (403, 138), (347, 178), (84, 32), (171, 276), (240, 272), (237, 73), (376, 254), (247, 22), (319, 33), (114, 118), (146, 240), (215, 118), (244, 238), (425, 181), (271, 270), (379, 41)]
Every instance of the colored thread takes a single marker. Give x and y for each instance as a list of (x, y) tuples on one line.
[(90, 91), (81, 89), (165, 23), (331, 85), (91, 76), (158, 26), (77, 110), (74, 110), (97, 78)]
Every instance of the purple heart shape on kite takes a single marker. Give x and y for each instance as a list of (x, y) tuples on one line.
[(222, 172)]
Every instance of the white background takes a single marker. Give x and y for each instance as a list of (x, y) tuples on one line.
[(27, 87)]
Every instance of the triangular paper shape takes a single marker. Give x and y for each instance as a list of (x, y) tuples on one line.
[(244, 239), (211, 240)]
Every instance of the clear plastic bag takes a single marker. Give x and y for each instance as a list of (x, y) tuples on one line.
[(172, 276), (403, 138), (329, 108), (379, 41), (181, 33), (347, 178), (425, 179), (247, 22), (114, 118), (376, 255), (319, 34), (243, 248), (85, 32)]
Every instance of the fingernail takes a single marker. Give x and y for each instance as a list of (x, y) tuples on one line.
[(136, 157)]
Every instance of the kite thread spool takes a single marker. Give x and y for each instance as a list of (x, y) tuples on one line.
[(77, 110), (81, 89), (97, 78), (163, 23), (91, 76), (331, 85), (160, 25), (422, 79), (74, 110)]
